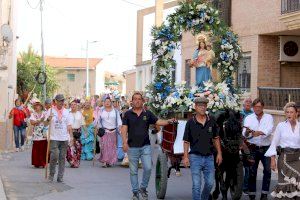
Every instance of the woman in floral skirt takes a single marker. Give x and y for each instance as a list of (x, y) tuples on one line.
[(74, 149)]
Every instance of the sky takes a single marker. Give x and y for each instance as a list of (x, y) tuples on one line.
[(68, 24)]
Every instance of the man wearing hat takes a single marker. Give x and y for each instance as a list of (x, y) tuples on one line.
[(60, 134), (201, 136)]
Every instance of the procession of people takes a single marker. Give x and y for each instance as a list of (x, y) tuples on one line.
[(71, 128)]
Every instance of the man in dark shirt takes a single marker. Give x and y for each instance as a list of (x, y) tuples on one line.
[(201, 136), (136, 142)]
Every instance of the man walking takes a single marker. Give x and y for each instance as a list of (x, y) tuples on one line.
[(259, 127), (61, 133), (136, 142), (200, 136)]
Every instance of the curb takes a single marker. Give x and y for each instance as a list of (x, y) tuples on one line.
[(2, 192)]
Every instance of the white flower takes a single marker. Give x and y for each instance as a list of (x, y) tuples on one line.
[(162, 72), (231, 67), (160, 52), (157, 42), (207, 17), (201, 6), (218, 22)]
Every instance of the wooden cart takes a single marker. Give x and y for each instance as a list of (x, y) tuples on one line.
[(163, 168)]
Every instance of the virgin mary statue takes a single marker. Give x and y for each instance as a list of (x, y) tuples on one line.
[(201, 60)]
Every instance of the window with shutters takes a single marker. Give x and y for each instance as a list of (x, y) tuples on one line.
[(244, 74), (71, 77)]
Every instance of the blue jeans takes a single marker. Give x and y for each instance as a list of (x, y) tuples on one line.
[(202, 165), (134, 154), (259, 155), (19, 131), (246, 178)]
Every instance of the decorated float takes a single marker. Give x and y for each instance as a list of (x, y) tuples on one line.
[(169, 99)]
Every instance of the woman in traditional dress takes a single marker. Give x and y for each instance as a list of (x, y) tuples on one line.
[(199, 61), (40, 130), (74, 149), (111, 121), (87, 136), (287, 141)]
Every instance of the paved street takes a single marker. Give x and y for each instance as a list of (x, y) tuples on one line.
[(22, 181)]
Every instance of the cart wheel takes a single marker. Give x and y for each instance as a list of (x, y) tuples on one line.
[(161, 177)]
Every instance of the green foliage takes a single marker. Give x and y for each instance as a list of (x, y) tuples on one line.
[(28, 65)]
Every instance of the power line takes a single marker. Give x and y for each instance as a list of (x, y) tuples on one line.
[(33, 7), (133, 3)]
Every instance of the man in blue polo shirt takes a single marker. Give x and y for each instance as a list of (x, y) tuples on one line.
[(136, 142), (201, 135)]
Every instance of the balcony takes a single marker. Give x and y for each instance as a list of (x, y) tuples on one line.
[(276, 98), (288, 6), (290, 14)]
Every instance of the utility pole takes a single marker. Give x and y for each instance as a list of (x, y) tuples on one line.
[(87, 92), (42, 49)]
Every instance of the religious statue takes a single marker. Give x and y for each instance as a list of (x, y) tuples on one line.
[(202, 61)]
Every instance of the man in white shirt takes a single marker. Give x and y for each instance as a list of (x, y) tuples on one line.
[(258, 128), (60, 134)]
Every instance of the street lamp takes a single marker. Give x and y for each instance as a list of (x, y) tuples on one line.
[(87, 93)]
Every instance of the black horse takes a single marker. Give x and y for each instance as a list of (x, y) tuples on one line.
[(229, 175)]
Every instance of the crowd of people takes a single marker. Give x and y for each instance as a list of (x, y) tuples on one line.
[(76, 128)]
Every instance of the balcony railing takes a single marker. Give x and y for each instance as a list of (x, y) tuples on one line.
[(288, 6), (276, 98)]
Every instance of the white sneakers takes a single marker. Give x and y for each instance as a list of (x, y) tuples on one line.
[(20, 149)]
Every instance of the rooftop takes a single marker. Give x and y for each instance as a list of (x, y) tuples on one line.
[(78, 63)]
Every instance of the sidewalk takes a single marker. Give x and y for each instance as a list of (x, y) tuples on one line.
[(2, 193)]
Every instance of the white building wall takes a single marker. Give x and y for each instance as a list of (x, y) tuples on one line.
[(8, 14)]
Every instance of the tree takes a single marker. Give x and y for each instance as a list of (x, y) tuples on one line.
[(28, 66)]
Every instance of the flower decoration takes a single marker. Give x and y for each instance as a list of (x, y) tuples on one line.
[(195, 16)]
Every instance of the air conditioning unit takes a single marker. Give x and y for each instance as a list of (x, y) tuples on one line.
[(289, 49)]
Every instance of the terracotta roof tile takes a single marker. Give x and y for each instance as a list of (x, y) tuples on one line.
[(62, 62)]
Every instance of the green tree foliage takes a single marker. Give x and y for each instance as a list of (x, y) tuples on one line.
[(28, 65)]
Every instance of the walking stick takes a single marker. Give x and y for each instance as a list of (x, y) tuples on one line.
[(29, 95), (48, 147), (95, 138), (25, 104)]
